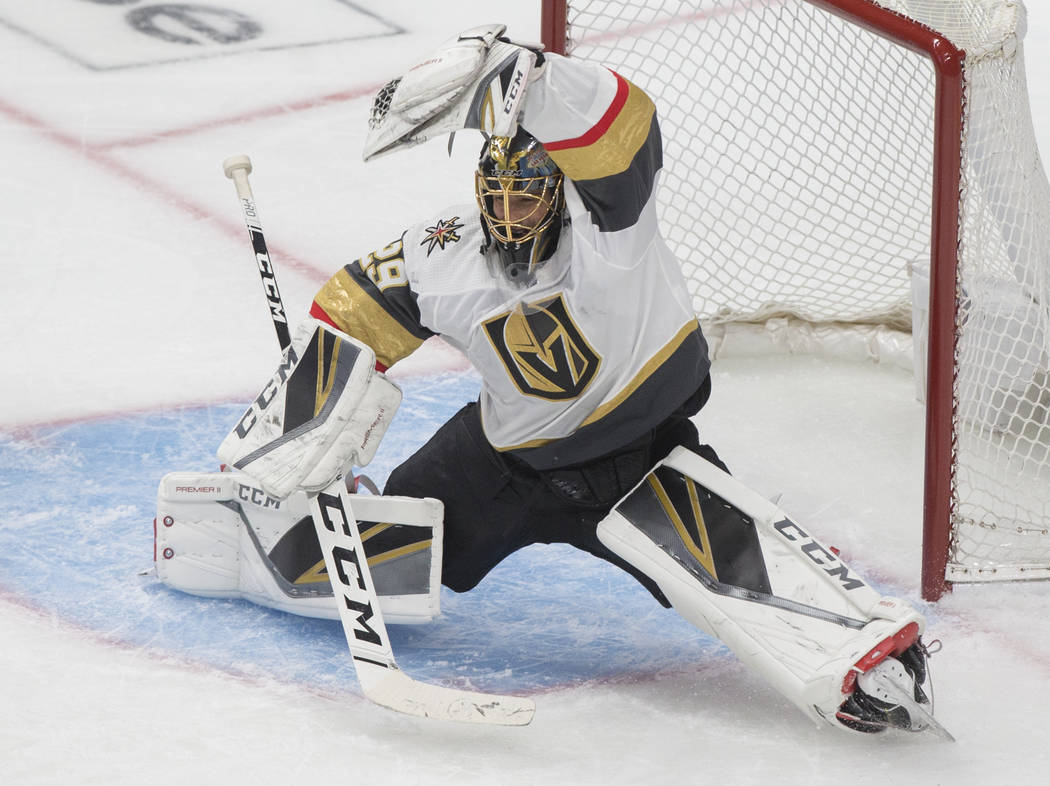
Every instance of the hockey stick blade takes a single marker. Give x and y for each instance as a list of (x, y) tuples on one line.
[(889, 683), (392, 688), (381, 680)]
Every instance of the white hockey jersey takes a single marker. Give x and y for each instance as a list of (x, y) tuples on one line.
[(603, 345)]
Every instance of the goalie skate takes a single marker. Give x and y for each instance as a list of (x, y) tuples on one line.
[(890, 695)]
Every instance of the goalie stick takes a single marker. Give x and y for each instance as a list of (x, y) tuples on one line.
[(381, 680), (237, 168)]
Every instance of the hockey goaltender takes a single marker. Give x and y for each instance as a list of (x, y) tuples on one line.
[(559, 288)]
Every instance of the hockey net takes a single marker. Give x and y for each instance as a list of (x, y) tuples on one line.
[(828, 163)]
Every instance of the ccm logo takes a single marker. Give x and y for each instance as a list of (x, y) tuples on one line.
[(512, 92), (351, 579), (820, 555), (257, 497), (269, 393)]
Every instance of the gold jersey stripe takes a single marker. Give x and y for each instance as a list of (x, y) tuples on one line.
[(614, 150), (639, 379), (357, 314), (647, 370), (532, 443)]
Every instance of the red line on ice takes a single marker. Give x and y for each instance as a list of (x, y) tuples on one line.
[(100, 156), (245, 117), (156, 188)]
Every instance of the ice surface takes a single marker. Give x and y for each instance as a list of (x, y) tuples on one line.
[(135, 330)]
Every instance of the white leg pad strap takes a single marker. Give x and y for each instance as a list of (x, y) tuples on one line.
[(219, 535), (739, 569)]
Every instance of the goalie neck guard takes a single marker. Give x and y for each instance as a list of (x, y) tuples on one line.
[(519, 192)]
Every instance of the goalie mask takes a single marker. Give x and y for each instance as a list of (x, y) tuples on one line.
[(519, 191)]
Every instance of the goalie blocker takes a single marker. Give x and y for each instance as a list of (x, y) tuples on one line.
[(739, 569)]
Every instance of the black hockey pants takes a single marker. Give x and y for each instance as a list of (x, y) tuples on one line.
[(496, 504)]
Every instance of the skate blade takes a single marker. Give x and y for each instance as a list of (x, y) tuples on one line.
[(890, 683)]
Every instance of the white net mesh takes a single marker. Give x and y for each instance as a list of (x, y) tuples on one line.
[(798, 178), (1001, 522)]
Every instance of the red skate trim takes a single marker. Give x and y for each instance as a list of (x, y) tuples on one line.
[(893, 645)]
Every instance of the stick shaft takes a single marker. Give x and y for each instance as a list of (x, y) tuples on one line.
[(238, 172), (359, 610)]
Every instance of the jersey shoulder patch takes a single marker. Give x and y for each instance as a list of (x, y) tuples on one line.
[(441, 233), (444, 251), (446, 233)]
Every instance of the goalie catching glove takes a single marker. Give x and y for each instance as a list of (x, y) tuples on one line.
[(476, 80), (325, 408)]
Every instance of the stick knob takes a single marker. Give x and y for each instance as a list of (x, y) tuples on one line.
[(235, 163)]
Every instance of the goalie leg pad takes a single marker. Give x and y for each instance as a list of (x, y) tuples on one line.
[(326, 408), (219, 535), (739, 569)]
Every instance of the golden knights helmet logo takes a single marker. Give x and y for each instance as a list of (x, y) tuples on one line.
[(543, 350)]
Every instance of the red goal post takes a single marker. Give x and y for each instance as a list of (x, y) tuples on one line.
[(955, 209)]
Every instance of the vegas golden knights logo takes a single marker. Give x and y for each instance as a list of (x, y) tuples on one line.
[(543, 350)]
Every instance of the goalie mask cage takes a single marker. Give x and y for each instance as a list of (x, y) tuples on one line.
[(824, 157)]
